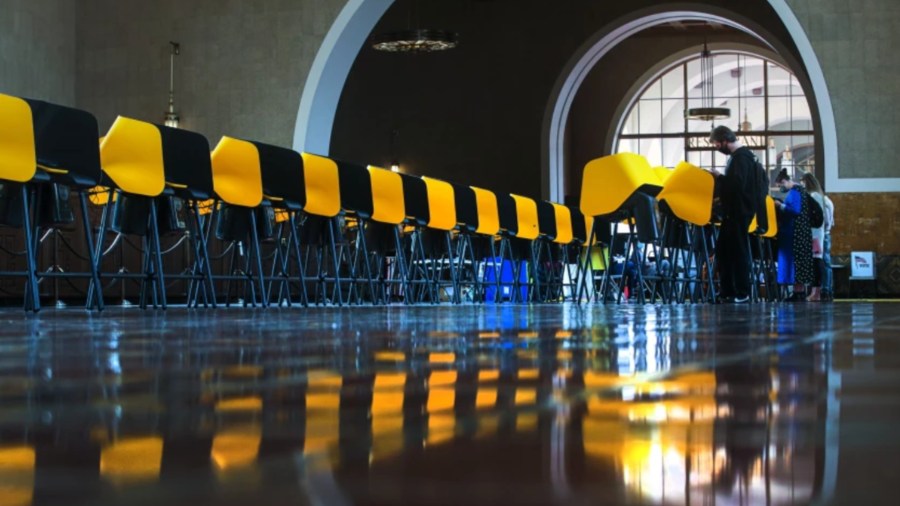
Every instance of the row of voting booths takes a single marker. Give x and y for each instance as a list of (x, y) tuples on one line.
[(257, 224)]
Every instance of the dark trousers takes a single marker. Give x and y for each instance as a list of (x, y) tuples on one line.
[(733, 256)]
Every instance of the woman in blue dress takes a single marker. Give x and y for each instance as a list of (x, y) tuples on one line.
[(795, 264)]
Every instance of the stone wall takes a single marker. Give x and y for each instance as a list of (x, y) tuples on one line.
[(37, 49), (867, 222), (241, 71), (856, 45)]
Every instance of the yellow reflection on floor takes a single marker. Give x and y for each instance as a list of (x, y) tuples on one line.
[(322, 403), (16, 475), (236, 447), (253, 404), (440, 428), (486, 397), (528, 374), (525, 396), (131, 460), (651, 441), (441, 397), (442, 358), (387, 414), (526, 422)]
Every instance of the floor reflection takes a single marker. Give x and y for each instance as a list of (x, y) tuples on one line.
[(466, 405)]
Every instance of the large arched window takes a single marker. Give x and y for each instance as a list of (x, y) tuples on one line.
[(768, 110)]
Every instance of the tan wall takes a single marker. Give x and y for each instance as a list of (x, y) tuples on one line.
[(856, 44), (37, 49), (241, 71), (866, 222)]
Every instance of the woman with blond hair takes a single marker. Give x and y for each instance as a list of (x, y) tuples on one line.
[(818, 236)]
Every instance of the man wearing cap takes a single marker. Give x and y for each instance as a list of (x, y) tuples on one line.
[(739, 193)]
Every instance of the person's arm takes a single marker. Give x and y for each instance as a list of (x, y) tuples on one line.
[(792, 204)]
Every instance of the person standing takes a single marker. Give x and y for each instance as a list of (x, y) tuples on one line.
[(828, 279), (795, 268), (739, 194), (818, 236)]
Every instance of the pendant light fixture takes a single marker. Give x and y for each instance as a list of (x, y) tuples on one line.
[(171, 118), (706, 111), (415, 40)]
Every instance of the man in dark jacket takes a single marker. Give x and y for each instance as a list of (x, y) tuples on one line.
[(741, 198)]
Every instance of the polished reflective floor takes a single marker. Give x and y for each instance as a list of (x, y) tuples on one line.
[(764, 404)]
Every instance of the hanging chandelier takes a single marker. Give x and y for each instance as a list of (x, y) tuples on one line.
[(172, 119), (745, 125), (706, 111), (415, 41)]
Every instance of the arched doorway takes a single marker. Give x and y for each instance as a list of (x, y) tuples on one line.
[(769, 110), (581, 64), (321, 94)]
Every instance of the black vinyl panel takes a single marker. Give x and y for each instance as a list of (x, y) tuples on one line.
[(282, 174), (466, 206), (186, 162), (67, 138), (415, 197), (579, 229), (356, 188), (546, 219), (645, 218), (506, 206)]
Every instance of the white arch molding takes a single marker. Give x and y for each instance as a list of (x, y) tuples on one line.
[(319, 101), (329, 71)]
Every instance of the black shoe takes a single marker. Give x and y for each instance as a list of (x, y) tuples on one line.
[(741, 300)]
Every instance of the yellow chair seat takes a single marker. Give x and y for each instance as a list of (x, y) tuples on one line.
[(589, 228), (772, 229), (609, 181), (441, 204), (527, 216), (237, 177), (388, 205), (131, 155), (18, 158), (488, 213), (323, 189), (564, 234), (662, 173), (689, 193)]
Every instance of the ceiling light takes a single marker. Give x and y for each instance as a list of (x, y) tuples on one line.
[(415, 41), (706, 111)]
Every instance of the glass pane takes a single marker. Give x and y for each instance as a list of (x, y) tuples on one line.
[(627, 146), (804, 153), (695, 158), (801, 113), (700, 127), (782, 147), (779, 80), (779, 113), (652, 150), (653, 91), (702, 159), (755, 108), (727, 77), (740, 85), (673, 83), (651, 117), (672, 152), (693, 78), (631, 123), (673, 116), (753, 76)]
